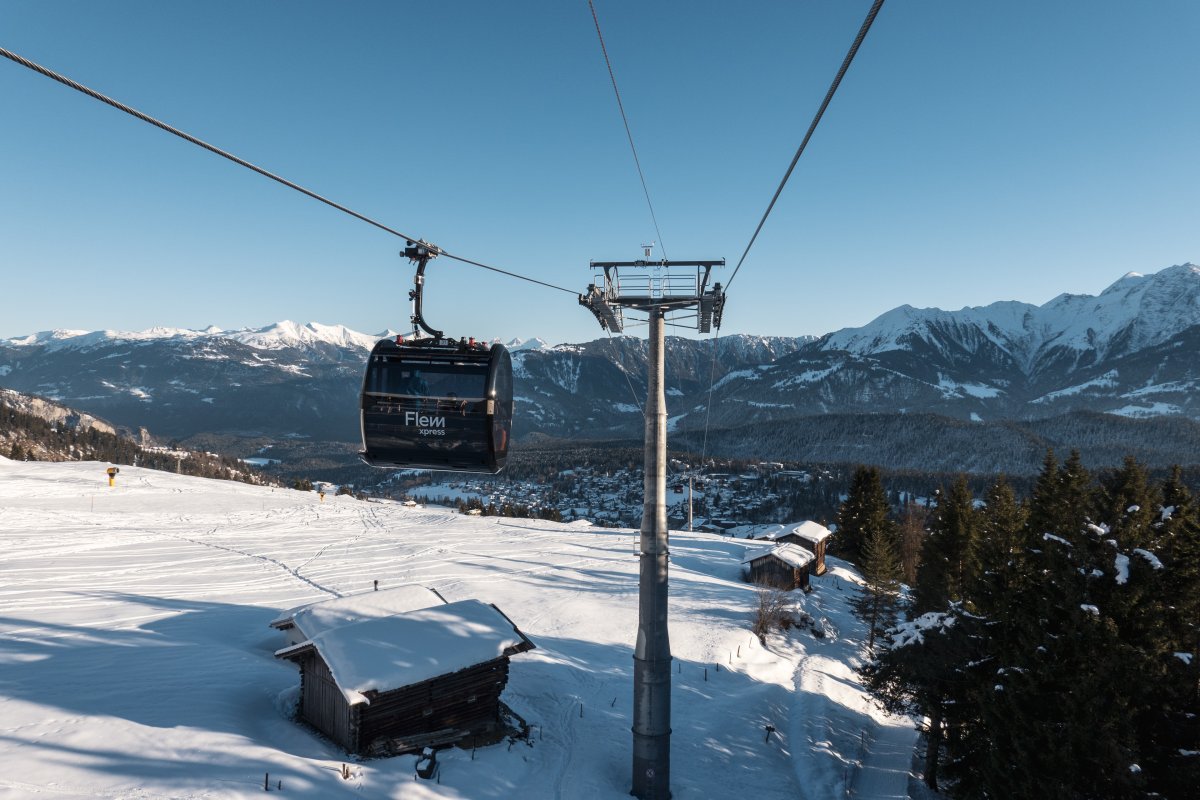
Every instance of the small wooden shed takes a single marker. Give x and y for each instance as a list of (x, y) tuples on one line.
[(395, 684), (784, 566), (808, 534), (811, 536)]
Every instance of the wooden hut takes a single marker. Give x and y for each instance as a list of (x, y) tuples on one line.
[(808, 534), (395, 684), (811, 536), (784, 566)]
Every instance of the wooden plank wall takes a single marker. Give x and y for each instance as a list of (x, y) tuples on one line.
[(322, 703), (468, 700)]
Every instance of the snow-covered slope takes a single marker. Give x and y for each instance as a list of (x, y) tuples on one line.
[(136, 657)]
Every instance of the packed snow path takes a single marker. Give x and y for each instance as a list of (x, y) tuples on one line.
[(136, 659), (844, 739)]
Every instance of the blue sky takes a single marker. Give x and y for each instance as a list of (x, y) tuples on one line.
[(975, 152)]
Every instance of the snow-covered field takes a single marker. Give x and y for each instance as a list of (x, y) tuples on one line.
[(136, 659)]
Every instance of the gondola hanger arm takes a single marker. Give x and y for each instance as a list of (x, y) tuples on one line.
[(420, 252)]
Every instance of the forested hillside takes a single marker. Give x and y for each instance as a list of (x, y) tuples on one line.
[(26, 436), (1052, 645)]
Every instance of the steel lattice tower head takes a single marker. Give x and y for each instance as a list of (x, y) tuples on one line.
[(665, 286)]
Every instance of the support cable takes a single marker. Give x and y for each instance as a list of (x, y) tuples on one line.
[(621, 107), (712, 373), (641, 407), (64, 80), (858, 40)]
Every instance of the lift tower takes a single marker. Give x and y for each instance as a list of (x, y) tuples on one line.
[(656, 288)]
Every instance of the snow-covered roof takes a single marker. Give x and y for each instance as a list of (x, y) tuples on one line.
[(808, 530), (811, 531), (316, 618), (386, 653), (791, 554)]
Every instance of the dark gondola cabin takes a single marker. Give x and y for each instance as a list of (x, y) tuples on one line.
[(437, 404)]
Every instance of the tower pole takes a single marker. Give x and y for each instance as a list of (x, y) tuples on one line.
[(652, 653)]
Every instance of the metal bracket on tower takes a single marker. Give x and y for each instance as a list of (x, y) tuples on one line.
[(712, 304), (607, 314)]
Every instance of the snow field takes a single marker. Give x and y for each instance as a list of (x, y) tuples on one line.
[(136, 659)]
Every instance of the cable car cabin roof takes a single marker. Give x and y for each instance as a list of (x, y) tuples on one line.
[(437, 405)]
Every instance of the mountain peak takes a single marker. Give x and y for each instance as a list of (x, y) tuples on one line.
[(289, 334), (536, 343), (1134, 312)]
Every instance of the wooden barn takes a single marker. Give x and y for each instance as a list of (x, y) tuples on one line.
[(811, 536), (784, 566), (305, 622), (808, 534), (395, 684)]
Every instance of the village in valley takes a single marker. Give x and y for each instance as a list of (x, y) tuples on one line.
[(712, 501)]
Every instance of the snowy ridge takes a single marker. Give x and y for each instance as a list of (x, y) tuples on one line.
[(285, 334), (1135, 312), (290, 334), (519, 345)]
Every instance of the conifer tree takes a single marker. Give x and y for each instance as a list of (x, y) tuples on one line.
[(948, 557), (911, 534), (1169, 708), (1003, 570), (864, 510), (880, 568), (1059, 723)]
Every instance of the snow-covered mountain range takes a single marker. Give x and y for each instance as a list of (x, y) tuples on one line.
[(1132, 351), (1136, 312)]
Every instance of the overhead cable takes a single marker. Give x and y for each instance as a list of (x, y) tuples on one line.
[(858, 40), (621, 107), (242, 162)]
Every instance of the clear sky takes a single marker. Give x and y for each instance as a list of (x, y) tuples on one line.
[(975, 152)]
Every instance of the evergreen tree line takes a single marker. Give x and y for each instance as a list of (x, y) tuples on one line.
[(1051, 645), (505, 509), (27, 437)]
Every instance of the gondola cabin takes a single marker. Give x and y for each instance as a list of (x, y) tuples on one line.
[(437, 404)]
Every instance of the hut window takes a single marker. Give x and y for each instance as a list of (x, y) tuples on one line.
[(471, 698), (427, 712)]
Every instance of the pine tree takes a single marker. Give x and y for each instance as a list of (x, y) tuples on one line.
[(864, 510), (913, 520), (880, 569), (948, 558), (1003, 572), (1169, 718), (1056, 722)]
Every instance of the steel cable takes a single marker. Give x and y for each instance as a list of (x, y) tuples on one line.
[(621, 107), (858, 40), (64, 80)]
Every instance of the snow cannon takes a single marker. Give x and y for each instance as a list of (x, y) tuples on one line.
[(112, 475)]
